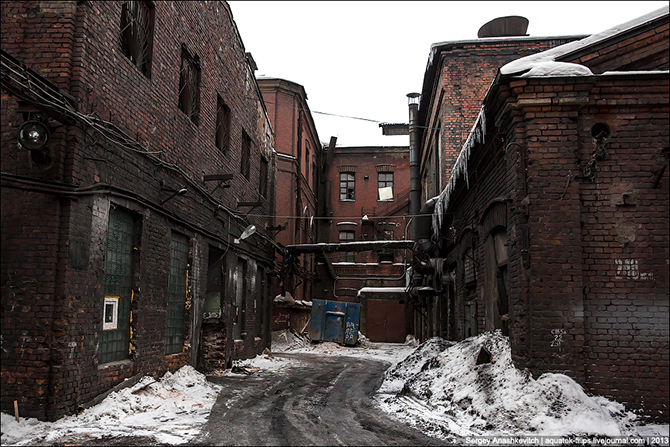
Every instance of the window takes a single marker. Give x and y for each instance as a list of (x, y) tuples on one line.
[(241, 291), (469, 275), (385, 185), (346, 256), (174, 325), (222, 125), (245, 165), (263, 181), (189, 86), (137, 20), (117, 287), (347, 186)]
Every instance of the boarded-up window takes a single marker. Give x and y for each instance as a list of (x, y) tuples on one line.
[(174, 325), (189, 86), (137, 23), (117, 287), (245, 165), (222, 125)]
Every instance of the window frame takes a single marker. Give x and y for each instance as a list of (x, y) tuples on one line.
[(350, 236), (348, 187), (189, 86), (223, 121), (245, 155), (135, 40), (386, 184)]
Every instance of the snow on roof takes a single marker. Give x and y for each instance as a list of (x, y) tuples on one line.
[(529, 62)]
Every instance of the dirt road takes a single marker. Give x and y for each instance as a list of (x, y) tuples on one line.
[(324, 401)]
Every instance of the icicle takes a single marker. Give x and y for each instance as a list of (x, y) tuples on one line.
[(477, 135)]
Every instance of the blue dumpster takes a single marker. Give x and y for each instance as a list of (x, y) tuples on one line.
[(335, 321)]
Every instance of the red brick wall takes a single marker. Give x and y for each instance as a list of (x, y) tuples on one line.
[(591, 301), (53, 245), (366, 160), (465, 71)]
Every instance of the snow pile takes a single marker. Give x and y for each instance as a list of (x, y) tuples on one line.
[(441, 389), (171, 411)]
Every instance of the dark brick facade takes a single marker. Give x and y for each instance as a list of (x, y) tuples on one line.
[(126, 145), (571, 177)]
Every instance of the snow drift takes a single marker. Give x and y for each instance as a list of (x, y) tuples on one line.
[(171, 411), (442, 389)]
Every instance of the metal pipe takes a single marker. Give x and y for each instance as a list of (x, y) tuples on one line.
[(414, 184)]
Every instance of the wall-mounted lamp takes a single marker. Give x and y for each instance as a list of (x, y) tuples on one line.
[(181, 192), (251, 229), (34, 134)]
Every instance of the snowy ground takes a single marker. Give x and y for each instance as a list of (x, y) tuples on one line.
[(436, 387), (441, 390)]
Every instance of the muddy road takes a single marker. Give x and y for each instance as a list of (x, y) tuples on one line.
[(323, 401)]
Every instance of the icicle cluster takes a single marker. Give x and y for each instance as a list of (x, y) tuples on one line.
[(460, 168)]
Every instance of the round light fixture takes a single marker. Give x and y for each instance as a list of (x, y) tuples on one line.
[(33, 135)]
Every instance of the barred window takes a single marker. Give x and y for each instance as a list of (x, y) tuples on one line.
[(347, 186), (117, 286), (174, 325), (189, 86), (137, 30), (245, 165), (222, 125), (469, 274)]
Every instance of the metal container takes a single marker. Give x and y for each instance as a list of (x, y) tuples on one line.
[(335, 321)]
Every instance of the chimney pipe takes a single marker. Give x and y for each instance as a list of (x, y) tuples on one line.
[(414, 184)]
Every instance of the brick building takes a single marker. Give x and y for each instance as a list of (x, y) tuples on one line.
[(553, 225), (298, 148), (457, 77), (366, 196), (118, 252)]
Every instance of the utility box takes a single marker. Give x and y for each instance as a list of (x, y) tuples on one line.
[(335, 321)]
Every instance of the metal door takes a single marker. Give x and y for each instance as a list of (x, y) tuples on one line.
[(386, 321)]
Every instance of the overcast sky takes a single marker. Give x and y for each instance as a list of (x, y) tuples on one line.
[(360, 59)]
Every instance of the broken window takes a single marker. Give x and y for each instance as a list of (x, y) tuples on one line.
[(216, 266), (263, 181), (347, 256), (189, 86), (117, 286), (174, 324), (245, 165), (137, 23), (385, 186), (222, 125), (347, 186)]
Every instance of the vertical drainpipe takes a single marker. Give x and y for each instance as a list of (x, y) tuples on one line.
[(414, 185)]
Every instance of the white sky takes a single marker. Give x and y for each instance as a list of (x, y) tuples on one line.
[(360, 59)]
